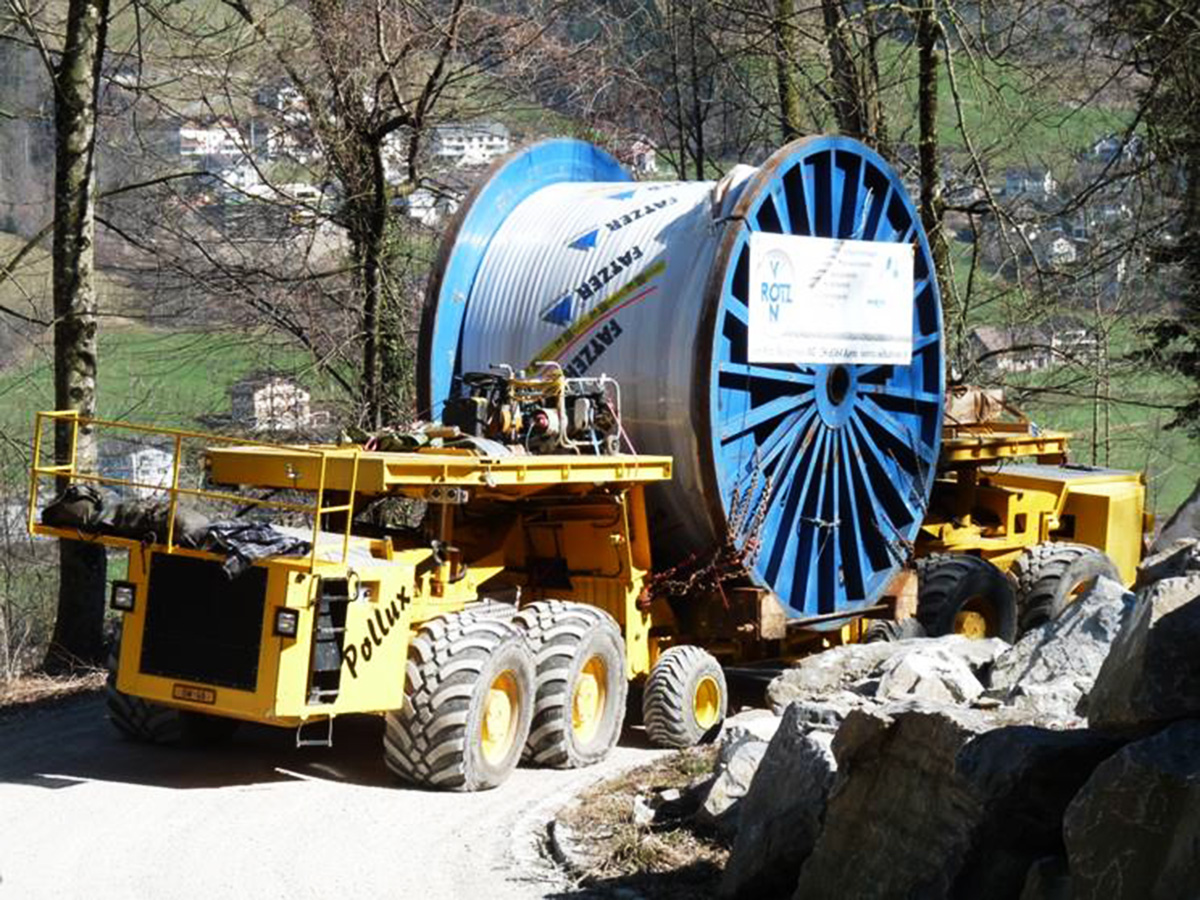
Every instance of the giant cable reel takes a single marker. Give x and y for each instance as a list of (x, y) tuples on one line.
[(826, 466)]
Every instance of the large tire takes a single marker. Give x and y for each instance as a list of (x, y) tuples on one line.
[(889, 630), (133, 717), (685, 699), (467, 706), (1051, 576), (960, 594), (581, 683)]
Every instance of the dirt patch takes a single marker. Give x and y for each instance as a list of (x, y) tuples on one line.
[(30, 691), (664, 859)]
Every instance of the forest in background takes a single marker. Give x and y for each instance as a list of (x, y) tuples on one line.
[(1050, 147)]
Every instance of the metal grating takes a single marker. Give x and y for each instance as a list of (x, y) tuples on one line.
[(200, 626)]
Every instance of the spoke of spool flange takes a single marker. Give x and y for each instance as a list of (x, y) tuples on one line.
[(925, 340), (901, 434), (898, 393), (782, 209), (768, 216), (794, 425), (873, 454), (834, 532), (791, 426), (854, 529), (788, 538), (793, 498), (743, 421), (868, 484), (860, 202), (750, 370), (738, 310), (810, 195), (877, 552), (882, 217), (814, 552)]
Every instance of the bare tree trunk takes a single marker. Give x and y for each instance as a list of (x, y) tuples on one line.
[(846, 106), (371, 216), (785, 73), (876, 115), (697, 81), (932, 203), (78, 628)]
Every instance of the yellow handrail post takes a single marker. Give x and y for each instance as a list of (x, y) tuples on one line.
[(33, 470), (174, 505), (350, 511), (317, 513)]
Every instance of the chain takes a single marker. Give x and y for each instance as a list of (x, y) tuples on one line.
[(729, 560)]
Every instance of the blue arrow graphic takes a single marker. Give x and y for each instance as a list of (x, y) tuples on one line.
[(559, 312), (585, 241)]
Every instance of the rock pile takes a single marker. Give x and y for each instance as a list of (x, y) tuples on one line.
[(1064, 766)]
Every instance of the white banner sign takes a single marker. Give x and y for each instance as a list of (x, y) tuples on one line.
[(819, 300)]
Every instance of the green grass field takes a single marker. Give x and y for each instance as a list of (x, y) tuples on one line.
[(168, 378), (1137, 418)]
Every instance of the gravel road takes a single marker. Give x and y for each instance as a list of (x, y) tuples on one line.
[(84, 814)]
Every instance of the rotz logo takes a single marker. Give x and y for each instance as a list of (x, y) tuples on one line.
[(776, 288)]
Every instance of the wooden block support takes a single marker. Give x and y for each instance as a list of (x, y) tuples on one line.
[(902, 594)]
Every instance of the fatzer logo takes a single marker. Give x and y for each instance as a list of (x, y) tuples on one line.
[(593, 284), (777, 285), (649, 209), (592, 350)]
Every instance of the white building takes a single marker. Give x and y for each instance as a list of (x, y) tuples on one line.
[(427, 207), (469, 144), (267, 402), (1035, 183), (148, 466), (220, 137)]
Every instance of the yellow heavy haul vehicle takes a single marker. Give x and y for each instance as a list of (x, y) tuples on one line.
[(711, 448), (446, 632)]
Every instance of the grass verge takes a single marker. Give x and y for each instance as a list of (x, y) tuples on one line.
[(25, 691), (656, 861)]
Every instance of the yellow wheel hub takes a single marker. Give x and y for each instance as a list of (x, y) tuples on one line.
[(499, 728), (706, 702), (589, 700), (974, 620)]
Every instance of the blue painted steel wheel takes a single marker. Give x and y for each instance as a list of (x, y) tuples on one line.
[(838, 460)]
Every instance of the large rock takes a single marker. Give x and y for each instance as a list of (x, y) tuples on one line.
[(1133, 831), (751, 724), (1152, 673), (1173, 561), (1054, 665), (827, 713), (935, 674), (1184, 523), (899, 818), (857, 666), (721, 807), (1048, 879), (1023, 777), (781, 814)]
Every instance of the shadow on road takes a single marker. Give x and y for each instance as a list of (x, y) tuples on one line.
[(73, 743)]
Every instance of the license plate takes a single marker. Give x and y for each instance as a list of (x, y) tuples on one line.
[(194, 694)]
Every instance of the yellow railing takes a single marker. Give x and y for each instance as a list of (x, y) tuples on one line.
[(68, 472)]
